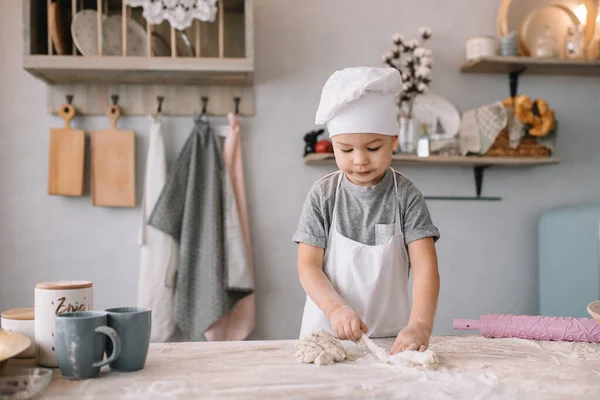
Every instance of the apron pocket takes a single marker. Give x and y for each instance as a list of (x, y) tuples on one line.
[(383, 233)]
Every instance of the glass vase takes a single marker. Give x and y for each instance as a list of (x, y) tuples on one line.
[(575, 43), (409, 135)]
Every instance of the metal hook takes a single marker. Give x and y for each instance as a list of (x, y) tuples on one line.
[(204, 103), (236, 102), (115, 99), (69, 99), (160, 101)]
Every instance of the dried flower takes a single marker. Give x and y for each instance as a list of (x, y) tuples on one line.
[(425, 32), (411, 45), (409, 62), (387, 56), (426, 62), (423, 72), (421, 52), (415, 63), (397, 39)]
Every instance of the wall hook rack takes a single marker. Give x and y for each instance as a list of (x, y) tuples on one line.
[(236, 105), (204, 100), (478, 174)]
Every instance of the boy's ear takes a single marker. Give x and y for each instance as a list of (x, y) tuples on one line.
[(395, 144)]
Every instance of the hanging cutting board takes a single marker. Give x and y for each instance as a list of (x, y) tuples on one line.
[(113, 164), (67, 157)]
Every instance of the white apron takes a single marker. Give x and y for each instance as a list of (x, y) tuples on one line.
[(373, 280)]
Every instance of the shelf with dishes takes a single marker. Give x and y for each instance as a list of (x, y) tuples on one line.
[(560, 37), (84, 48), (457, 161), (478, 163), (531, 65)]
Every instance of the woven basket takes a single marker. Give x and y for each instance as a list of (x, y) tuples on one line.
[(528, 147)]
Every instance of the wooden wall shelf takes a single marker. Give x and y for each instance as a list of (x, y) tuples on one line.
[(457, 161), (209, 59), (531, 65), (140, 70), (479, 164)]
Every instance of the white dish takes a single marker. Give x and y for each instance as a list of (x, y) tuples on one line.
[(160, 47), (112, 34), (594, 310), (430, 108), (84, 32)]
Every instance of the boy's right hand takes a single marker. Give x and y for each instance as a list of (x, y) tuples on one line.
[(346, 323)]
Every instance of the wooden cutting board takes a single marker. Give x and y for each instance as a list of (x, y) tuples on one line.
[(113, 164), (66, 168)]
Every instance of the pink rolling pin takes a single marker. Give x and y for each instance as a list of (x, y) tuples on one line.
[(533, 327)]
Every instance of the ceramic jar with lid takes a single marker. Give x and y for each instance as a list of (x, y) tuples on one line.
[(20, 320), (481, 46), (51, 299)]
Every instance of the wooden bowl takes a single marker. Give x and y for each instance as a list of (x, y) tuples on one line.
[(594, 310), (11, 344)]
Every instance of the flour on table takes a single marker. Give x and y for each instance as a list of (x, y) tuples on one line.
[(321, 348), (411, 358)]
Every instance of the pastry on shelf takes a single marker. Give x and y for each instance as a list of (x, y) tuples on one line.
[(536, 114)]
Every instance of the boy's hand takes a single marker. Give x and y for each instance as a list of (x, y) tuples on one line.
[(346, 323), (413, 337)]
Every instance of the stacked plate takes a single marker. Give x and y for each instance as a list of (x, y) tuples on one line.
[(84, 30)]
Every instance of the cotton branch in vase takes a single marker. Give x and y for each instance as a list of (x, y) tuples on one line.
[(414, 61)]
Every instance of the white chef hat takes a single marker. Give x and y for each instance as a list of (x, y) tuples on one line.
[(360, 100)]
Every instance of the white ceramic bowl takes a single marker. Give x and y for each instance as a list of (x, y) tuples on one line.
[(594, 310)]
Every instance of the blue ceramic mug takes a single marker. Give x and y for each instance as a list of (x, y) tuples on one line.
[(80, 342), (133, 325)]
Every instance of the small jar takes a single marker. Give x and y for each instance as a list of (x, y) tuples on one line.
[(21, 320), (575, 43)]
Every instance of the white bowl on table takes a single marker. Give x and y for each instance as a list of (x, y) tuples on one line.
[(594, 310)]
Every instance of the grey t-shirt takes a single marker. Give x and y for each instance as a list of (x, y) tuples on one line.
[(365, 214)]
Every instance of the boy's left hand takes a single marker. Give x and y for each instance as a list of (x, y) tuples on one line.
[(412, 337)]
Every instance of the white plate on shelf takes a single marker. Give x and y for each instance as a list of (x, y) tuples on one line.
[(84, 32), (430, 109), (112, 33), (160, 47)]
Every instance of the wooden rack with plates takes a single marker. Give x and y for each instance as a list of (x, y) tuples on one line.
[(93, 49)]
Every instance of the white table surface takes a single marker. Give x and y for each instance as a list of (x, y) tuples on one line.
[(471, 367)]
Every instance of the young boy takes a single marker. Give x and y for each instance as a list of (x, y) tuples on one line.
[(362, 227)]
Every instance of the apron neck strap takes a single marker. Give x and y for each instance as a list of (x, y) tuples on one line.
[(398, 221), (396, 202)]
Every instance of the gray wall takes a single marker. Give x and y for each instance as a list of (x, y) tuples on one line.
[(487, 251)]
